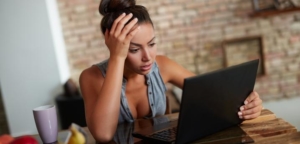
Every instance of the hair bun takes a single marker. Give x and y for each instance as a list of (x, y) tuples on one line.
[(108, 6)]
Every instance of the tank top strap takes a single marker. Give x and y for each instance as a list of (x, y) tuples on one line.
[(103, 67)]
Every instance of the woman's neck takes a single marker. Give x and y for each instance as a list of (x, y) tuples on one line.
[(129, 74)]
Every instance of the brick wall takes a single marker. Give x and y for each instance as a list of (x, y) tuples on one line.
[(191, 32)]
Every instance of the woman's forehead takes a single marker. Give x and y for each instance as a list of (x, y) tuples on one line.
[(144, 35)]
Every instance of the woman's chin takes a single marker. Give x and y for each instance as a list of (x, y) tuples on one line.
[(141, 72)]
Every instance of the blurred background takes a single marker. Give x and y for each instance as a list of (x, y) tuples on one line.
[(45, 43)]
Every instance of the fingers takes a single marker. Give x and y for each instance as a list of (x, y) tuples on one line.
[(251, 97), (112, 30), (120, 30), (252, 107), (121, 24), (128, 27), (119, 36), (251, 116), (132, 33), (256, 109), (256, 102)]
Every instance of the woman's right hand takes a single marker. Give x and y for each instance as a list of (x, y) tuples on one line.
[(119, 37)]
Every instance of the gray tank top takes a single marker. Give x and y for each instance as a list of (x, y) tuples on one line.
[(156, 93)]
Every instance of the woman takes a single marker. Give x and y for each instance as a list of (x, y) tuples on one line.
[(131, 83)]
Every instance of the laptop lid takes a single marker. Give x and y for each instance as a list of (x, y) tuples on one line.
[(210, 102)]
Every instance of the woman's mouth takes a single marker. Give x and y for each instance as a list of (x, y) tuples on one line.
[(146, 67)]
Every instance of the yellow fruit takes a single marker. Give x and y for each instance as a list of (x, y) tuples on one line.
[(76, 136)]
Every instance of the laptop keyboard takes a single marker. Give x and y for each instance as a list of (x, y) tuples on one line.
[(165, 135)]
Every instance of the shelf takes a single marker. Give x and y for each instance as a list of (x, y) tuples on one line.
[(273, 12)]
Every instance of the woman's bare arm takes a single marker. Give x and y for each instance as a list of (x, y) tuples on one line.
[(102, 95), (102, 99), (172, 72)]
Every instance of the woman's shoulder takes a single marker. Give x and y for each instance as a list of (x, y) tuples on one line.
[(96, 70), (165, 66), (91, 74), (103, 64), (162, 60), (172, 71)]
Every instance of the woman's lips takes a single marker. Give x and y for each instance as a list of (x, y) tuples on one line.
[(146, 67)]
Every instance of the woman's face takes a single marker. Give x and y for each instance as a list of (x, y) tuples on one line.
[(142, 50)]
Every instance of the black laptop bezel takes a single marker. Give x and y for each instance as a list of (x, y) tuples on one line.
[(182, 135)]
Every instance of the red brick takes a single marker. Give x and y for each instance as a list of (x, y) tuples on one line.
[(194, 5), (271, 56), (295, 39)]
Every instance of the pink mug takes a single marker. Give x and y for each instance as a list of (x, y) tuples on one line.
[(46, 123)]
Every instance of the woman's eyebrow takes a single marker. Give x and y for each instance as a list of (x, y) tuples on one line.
[(151, 39), (135, 44), (140, 44)]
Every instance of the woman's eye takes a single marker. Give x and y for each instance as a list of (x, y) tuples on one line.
[(133, 50), (152, 44)]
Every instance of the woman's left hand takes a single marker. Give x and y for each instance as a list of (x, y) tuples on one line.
[(252, 107)]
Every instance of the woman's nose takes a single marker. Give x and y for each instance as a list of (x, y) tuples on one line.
[(146, 56)]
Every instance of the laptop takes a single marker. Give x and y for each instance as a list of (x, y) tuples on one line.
[(210, 103)]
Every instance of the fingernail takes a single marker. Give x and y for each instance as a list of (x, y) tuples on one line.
[(242, 108), (130, 14), (246, 102), (240, 113), (135, 19), (240, 117)]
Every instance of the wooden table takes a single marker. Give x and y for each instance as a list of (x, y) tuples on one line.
[(265, 129)]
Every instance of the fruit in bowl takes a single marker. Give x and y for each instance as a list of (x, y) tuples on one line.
[(77, 135), (6, 139), (24, 140)]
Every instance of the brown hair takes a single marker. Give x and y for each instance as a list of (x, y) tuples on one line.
[(112, 9)]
